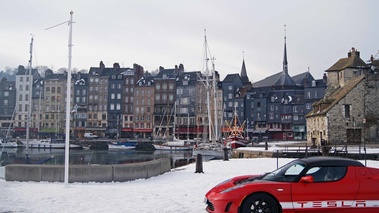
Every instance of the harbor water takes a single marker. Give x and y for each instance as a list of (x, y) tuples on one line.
[(90, 157)]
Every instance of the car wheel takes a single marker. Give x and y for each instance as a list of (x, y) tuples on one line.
[(261, 203)]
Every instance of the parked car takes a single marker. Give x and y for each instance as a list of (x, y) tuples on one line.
[(315, 184), (89, 135)]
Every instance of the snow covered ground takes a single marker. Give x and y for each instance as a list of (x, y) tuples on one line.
[(181, 190)]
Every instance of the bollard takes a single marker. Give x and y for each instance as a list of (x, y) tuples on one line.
[(199, 164), (266, 146), (226, 154)]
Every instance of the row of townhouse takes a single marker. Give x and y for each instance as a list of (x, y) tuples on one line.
[(109, 102), (129, 103)]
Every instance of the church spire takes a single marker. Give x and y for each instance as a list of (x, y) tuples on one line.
[(285, 63), (244, 77), (243, 69)]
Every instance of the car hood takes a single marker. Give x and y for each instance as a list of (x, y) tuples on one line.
[(239, 180)]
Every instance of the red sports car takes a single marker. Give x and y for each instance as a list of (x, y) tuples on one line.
[(315, 184)]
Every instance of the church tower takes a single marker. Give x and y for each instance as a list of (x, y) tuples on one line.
[(244, 77), (285, 62)]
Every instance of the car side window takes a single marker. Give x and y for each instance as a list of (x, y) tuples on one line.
[(294, 170), (327, 174)]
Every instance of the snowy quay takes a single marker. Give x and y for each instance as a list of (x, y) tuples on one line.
[(87, 173), (300, 150)]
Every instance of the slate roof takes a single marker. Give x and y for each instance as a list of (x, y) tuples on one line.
[(231, 77), (192, 78), (303, 78), (145, 80), (59, 76), (293, 96), (244, 77), (280, 79)]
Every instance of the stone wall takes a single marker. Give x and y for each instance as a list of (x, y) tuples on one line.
[(338, 123), (371, 108), (87, 173)]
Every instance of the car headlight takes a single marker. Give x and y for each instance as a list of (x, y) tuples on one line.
[(233, 188)]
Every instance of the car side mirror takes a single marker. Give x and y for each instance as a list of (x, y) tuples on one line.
[(307, 179)]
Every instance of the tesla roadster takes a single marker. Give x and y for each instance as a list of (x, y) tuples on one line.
[(315, 184)]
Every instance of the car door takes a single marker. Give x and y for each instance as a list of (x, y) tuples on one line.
[(327, 192)]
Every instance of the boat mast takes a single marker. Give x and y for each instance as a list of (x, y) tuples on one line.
[(68, 102), (207, 87), (28, 117), (215, 108), (68, 97), (174, 126)]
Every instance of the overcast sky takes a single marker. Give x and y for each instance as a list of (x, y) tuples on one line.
[(165, 33)]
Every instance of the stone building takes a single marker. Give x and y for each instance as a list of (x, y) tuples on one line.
[(348, 112)]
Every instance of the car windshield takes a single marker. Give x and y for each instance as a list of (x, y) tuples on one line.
[(287, 173)]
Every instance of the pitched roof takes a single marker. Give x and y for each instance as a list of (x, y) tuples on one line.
[(231, 77), (353, 60), (244, 77), (303, 78), (280, 79), (284, 80), (336, 97), (268, 81)]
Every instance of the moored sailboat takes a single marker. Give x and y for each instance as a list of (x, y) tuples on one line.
[(48, 144), (211, 148), (235, 133), (8, 144), (122, 145)]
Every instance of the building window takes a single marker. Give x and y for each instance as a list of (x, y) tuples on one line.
[(308, 105), (271, 116), (347, 110), (294, 108)]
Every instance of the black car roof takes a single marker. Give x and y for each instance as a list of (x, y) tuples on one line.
[(330, 161)]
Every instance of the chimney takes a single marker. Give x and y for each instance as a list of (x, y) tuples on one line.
[(353, 53), (116, 65), (325, 78)]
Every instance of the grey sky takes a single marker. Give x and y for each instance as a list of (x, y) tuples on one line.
[(168, 32)]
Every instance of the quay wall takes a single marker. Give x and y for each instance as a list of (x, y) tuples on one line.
[(87, 173), (299, 153)]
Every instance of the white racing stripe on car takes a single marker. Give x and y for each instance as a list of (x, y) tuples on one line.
[(329, 204)]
